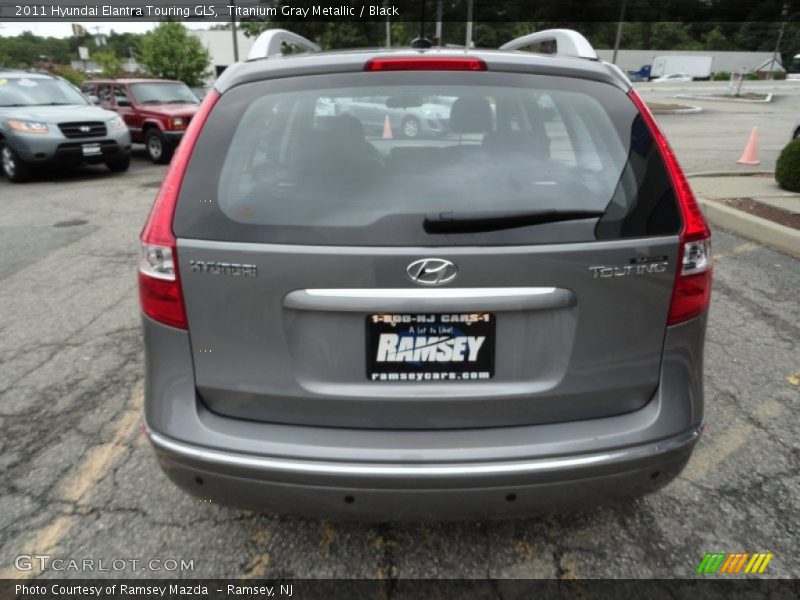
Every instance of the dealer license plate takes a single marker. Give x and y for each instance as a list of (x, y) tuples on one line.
[(430, 347)]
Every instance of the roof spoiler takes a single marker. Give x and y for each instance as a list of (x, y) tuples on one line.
[(270, 42), (568, 42)]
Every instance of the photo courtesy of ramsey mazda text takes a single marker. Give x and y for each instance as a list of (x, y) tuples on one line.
[(424, 284)]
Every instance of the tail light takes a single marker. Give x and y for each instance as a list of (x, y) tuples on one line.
[(159, 280), (428, 63), (691, 293)]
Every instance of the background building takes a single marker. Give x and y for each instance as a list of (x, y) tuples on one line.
[(219, 44), (732, 62)]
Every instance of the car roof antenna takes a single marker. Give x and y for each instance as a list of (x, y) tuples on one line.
[(422, 41)]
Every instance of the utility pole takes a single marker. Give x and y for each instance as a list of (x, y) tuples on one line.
[(388, 28), (233, 32), (469, 25), (777, 48), (784, 18), (438, 35), (619, 32)]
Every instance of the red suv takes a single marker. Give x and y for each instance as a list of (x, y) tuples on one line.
[(156, 111)]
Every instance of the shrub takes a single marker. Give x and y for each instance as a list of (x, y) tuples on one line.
[(787, 169), (722, 76), (76, 78), (108, 61)]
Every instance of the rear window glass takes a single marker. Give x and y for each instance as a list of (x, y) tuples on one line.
[(364, 158)]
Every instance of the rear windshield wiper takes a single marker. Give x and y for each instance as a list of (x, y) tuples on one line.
[(476, 222)]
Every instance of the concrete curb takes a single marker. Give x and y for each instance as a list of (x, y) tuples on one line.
[(718, 99), (689, 110), (730, 174), (778, 237)]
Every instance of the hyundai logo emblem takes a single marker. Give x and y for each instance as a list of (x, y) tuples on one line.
[(85, 128), (431, 271)]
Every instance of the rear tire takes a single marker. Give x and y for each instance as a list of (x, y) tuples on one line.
[(12, 165), (158, 147), (120, 164)]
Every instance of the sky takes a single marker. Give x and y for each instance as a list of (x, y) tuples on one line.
[(62, 30)]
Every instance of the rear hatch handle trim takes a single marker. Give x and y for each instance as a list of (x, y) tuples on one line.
[(441, 299)]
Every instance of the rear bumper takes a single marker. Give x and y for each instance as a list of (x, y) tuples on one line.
[(174, 137), (391, 491), (384, 474)]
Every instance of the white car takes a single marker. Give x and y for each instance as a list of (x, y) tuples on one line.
[(673, 78), (796, 130)]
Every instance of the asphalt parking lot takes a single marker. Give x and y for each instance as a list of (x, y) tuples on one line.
[(80, 481)]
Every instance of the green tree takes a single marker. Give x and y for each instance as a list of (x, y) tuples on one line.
[(24, 50), (171, 53), (123, 44), (756, 35), (672, 36), (716, 40)]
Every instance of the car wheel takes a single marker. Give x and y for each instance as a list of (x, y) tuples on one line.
[(13, 167), (796, 133), (410, 127), (120, 164), (158, 148)]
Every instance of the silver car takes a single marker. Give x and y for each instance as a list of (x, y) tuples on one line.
[(44, 120), (411, 117), (504, 321)]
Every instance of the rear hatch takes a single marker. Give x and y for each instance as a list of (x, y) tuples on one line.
[(514, 269)]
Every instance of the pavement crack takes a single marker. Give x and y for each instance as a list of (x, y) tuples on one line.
[(385, 543), (780, 326), (553, 535)]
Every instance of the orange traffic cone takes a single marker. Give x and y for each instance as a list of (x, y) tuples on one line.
[(750, 154), (387, 128)]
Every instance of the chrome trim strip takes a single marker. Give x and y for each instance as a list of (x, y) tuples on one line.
[(393, 470), (428, 293)]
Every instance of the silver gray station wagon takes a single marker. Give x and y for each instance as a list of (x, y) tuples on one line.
[(500, 319)]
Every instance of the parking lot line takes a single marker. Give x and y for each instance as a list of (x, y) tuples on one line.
[(745, 248), (99, 460), (42, 543), (77, 489), (727, 443)]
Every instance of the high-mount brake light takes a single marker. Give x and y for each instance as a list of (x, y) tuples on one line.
[(159, 280), (425, 64), (691, 293)]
